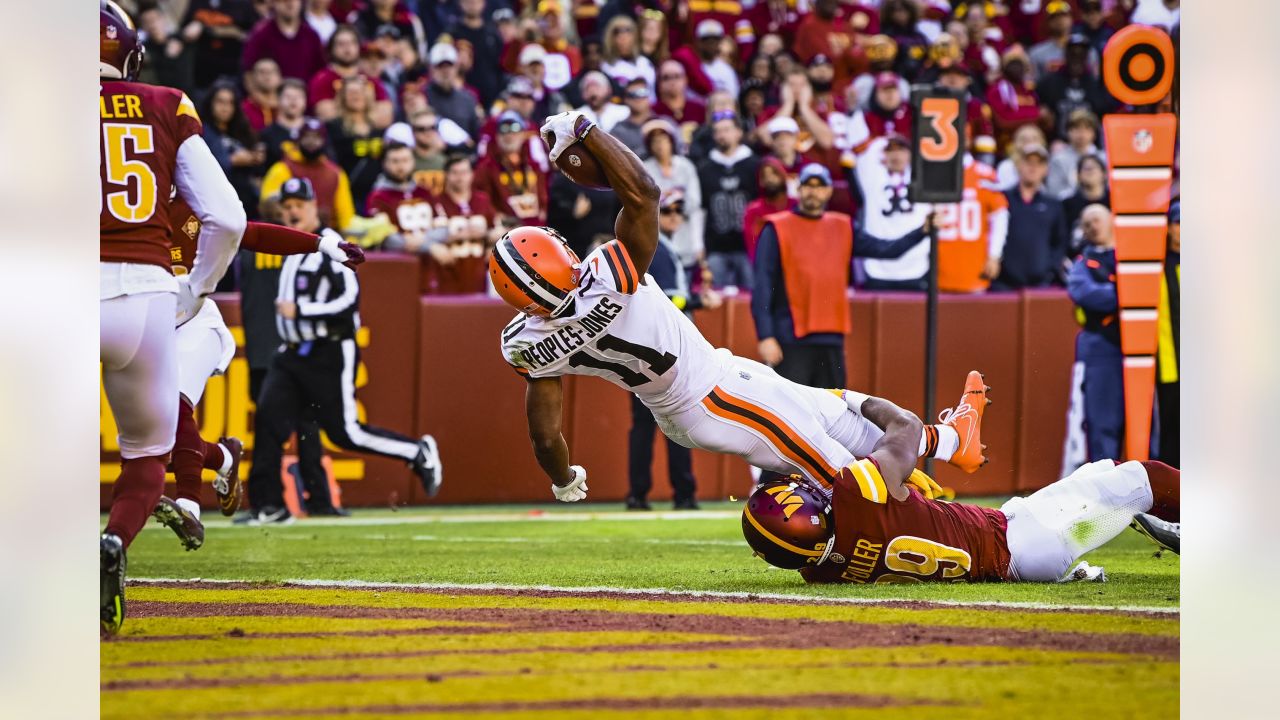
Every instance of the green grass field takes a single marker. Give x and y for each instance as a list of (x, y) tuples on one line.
[(561, 545), (587, 612)]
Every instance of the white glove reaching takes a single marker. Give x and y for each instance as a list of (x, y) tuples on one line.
[(576, 489), (562, 130), (188, 302)]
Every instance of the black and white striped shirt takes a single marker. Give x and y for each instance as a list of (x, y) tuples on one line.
[(326, 293)]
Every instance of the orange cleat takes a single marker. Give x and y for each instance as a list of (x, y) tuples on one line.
[(966, 418)]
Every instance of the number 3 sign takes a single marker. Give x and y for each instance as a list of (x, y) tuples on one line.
[(938, 134)]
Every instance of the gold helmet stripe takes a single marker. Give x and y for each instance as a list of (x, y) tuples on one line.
[(779, 541)]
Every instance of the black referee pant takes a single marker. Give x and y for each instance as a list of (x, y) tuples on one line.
[(313, 380), (640, 458), (820, 366)]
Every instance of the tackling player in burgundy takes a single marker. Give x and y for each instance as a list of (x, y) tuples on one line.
[(150, 140), (880, 522), (205, 349)]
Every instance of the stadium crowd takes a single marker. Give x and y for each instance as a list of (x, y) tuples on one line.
[(416, 120)]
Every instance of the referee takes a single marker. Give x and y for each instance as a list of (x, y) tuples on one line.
[(314, 373)]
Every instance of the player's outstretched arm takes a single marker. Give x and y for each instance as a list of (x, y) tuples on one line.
[(637, 224), (281, 240), (543, 404), (896, 453)]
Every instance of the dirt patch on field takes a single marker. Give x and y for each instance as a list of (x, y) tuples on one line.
[(728, 702), (739, 632)]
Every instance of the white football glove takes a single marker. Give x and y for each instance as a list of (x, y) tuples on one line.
[(562, 130), (576, 489), (189, 302)]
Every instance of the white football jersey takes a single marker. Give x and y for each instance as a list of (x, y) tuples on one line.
[(623, 330)]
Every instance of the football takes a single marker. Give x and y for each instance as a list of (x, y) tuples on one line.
[(580, 166)]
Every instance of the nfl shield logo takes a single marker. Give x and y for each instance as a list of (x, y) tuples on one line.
[(1142, 141), (111, 32)]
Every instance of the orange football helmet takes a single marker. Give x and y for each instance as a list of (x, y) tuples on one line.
[(535, 271)]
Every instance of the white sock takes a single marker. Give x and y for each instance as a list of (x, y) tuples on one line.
[(190, 506), (944, 439), (226, 460)]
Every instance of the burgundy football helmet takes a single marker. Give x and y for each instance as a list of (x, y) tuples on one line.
[(788, 523), (119, 50)]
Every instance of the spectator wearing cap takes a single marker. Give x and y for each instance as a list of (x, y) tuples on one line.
[(470, 28), (217, 31), (881, 52), (262, 93), (585, 215), (775, 196), (1048, 55), (598, 105), (899, 20), (546, 101), (1082, 135), (630, 130), (444, 93), (428, 150), (320, 18), (374, 15), (676, 102), (1093, 25), (562, 60), (1074, 86), (514, 174), (1091, 284), (709, 35), (1036, 249), (355, 139), (344, 58), (978, 117), (728, 179), (882, 175), (1091, 189), (286, 38), (332, 188), (1013, 97), (277, 138), (671, 171), (1168, 343), (465, 227), (784, 137), (887, 113), (622, 58), (823, 32), (666, 271), (405, 203)]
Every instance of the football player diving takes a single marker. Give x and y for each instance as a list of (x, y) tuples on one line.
[(602, 315)]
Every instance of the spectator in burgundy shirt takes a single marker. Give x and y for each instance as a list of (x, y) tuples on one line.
[(263, 85), (513, 177), (822, 33), (674, 100), (344, 59), (1013, 98), (376, 14), (286, 38)]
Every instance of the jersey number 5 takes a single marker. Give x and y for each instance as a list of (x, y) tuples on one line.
[(659, 363), (124, 205)]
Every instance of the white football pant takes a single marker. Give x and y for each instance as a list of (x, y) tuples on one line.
[(139, 356), (205, 349), (775, 424), (1051, 528)]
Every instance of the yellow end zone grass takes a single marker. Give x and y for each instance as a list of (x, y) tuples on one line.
[(443, 667)]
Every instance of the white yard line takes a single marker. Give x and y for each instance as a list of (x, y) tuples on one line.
[(408, 519), (549, 540), (601, 590)]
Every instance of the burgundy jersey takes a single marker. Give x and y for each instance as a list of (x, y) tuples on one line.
[(520, 191), (468, 224), (142, 127), (410, 210), (882, 540)]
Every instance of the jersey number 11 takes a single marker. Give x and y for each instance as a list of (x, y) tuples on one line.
[(659, 363)]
